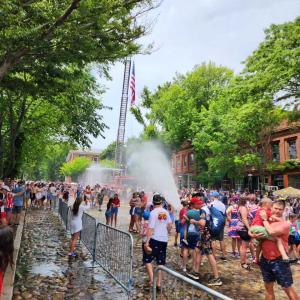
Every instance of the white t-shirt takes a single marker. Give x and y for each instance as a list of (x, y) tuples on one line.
[(219, 206), (159, 220), (207, 211)]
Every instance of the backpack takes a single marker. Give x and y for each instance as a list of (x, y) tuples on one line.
[(217, 221)]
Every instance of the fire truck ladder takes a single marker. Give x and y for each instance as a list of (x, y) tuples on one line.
[(122, 118)]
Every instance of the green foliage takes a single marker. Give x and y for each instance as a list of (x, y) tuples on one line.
[(109, 152), (75, 167), (108, 163), (281, 166), (230, 119), (47, 90), (273, 68)]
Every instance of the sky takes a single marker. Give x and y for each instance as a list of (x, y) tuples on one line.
[(186, 33)]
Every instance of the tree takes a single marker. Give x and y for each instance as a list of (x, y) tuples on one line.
[(47, 91), (272, 70), (175, 105), (108, 152), (68, 32), (75, 167)]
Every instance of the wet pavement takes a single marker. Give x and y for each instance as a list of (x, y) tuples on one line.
[(44, 270)]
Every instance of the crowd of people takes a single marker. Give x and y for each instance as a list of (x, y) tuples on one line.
[(267, 227)]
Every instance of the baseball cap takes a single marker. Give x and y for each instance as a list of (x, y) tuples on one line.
[(215, 194), (146, 215), (196, 201), (157, 199)]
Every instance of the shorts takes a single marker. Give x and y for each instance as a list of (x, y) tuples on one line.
[(219, 236), (205, 247), (193, 240), (276, 270), (260, 229), (17, 209), (177, 226), (8, 209), (114, 210), (108, 213), (159, 251), (293, 241), (138, 211), (244, 236)]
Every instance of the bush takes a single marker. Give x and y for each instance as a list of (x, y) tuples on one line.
[(75, 167)]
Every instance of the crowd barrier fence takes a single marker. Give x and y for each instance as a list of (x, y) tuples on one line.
[(175, 286), (88, 233), (112, 249), (63, 211), (114, 253)]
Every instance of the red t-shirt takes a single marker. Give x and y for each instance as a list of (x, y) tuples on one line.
[(144, 201), (116, 202), (258, 221), (182, 213), (269, 247)]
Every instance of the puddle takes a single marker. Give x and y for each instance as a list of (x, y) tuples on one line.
[(46, 269)]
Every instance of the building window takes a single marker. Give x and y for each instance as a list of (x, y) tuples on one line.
[(275, 152), (178, 162), (191, 159), (185, 161), (292, 149)]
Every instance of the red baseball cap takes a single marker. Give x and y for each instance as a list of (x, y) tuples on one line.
[(196, 201)]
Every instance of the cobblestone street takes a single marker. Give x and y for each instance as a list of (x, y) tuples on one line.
[(45, 272)]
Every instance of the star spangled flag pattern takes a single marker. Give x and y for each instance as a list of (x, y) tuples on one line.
[(132, 86)]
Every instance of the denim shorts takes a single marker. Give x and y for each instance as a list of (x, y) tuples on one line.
[(17, 209), (138, 211), (276, 270), (8, 209), (114, 210)]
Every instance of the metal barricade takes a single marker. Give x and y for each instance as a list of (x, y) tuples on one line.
[(88, 233), (54, 203), (176, 286), (63, 210), (114, 253)]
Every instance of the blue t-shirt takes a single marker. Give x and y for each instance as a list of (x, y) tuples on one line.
[(18, 200)]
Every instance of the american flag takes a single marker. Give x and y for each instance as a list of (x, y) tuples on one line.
[(132, 86)]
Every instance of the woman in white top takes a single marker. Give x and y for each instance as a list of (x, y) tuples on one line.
[(76, 223)]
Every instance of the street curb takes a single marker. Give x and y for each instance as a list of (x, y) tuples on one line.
[(9, 276)]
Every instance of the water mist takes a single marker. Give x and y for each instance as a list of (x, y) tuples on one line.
[(151, 168)]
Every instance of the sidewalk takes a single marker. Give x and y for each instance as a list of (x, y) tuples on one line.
[(9, 276), (44, 270)]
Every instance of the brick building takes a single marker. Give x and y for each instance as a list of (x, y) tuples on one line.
[(183, 166), (282, 146)]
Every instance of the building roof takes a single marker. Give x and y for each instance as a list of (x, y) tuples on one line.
[(83, 152)]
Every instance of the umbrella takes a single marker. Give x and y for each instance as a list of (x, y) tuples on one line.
[(288, 192)]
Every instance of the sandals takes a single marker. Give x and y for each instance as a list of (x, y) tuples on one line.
[(246, 266)]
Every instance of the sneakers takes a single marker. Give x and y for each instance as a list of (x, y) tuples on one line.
[(193, 275), (215, 282), (185, 242)]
